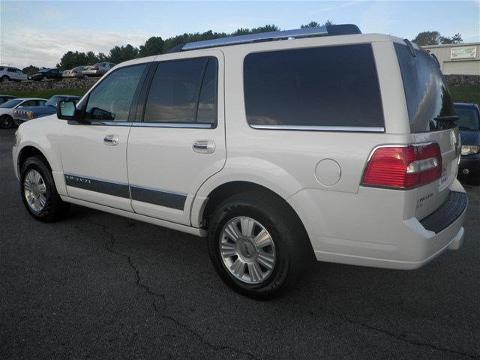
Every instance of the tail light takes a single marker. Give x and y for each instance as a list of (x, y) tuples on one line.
[(403, 167)]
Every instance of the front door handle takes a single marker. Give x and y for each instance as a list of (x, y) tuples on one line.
[(111, 140), (204, 146)]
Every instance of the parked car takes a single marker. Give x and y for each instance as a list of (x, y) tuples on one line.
[(46, 74), (33, 112), (5, 98), (335, 151), (469, 125), (8, 73), (76, 72), (7, 108), (98, 69)]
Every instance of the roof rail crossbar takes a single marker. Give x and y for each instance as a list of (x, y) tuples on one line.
[(274, 35)]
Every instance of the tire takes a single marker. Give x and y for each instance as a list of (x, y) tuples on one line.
[(291, 249), (5, 78), (6, 122), (53, 208)]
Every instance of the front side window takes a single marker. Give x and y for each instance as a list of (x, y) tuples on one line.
[(183, 91), (334, 86), (111, 99)]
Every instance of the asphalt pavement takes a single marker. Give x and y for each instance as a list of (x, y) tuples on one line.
[(99, 286)]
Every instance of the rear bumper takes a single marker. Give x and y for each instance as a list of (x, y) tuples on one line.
[(367, 229)]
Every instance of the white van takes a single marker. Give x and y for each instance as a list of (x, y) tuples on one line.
[(278, 147)]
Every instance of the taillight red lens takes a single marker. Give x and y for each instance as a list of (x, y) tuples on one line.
[(403, 167)]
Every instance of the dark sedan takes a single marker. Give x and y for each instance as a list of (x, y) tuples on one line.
[(46, 74), (469, 126), (34, 112)]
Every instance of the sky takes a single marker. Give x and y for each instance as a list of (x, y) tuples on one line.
[(40, 32)]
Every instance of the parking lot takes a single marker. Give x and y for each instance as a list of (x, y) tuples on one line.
[(100, 286)]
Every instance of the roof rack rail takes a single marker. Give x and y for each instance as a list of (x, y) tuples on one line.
[(329, 30)]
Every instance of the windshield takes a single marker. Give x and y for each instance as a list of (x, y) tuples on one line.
[(53, 101), (10, 104), (468, 118)]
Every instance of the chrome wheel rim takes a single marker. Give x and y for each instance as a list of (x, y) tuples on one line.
[(35, 190), (247, 250)]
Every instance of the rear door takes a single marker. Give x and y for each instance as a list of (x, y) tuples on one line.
[(181, 141), (432, 119)]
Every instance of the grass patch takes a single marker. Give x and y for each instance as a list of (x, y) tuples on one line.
[(469, 94), (48, 93)]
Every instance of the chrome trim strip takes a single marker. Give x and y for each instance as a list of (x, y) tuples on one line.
[(155, 124), (320, 128)]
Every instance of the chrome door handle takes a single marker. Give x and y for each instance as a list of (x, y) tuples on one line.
[(204, 146), (111, 140)]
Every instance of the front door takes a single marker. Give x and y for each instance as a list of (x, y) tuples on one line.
[(94, 151), (181, 141)]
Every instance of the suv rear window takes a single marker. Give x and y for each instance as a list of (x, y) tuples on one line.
[(426, 92), (335, 86)]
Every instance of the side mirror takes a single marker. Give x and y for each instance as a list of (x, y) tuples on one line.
[(66, 110)]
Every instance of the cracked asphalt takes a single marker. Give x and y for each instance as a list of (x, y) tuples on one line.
[(99, 286)]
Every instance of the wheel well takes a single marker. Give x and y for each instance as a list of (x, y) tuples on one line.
[(224, 191), (29, 151)]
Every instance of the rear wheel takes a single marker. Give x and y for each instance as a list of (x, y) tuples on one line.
[(257, 246), (38, 191), (5, 78), (6, 122)]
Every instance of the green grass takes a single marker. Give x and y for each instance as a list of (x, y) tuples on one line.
[(48, 93), (465, 93)]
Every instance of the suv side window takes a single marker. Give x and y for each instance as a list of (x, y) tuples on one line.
[(111, 99), (332, 86), (183, 91)]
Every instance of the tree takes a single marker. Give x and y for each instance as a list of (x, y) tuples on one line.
[(455, 39), (434, 38), (123, 53), (314, 24), (153, 46), (30, 70)]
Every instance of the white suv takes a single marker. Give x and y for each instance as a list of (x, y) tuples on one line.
[(8, 73), (278, 147)]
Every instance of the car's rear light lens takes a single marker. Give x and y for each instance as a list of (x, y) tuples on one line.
[(403, 167)]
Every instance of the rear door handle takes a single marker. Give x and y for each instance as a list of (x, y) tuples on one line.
[(111, 140), (204, 146)]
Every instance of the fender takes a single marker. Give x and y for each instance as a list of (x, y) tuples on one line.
[(45, 144), (247, 169)]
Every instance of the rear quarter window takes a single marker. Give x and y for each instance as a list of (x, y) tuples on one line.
[(335, 86)]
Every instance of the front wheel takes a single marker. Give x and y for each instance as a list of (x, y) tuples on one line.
[(38, 191), (6, 122), (257, 244)]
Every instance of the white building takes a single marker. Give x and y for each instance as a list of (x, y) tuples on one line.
[(457, 59)]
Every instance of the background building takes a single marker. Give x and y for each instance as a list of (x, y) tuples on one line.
[(457, 59)]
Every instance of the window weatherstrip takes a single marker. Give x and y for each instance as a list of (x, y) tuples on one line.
[(320, 128)]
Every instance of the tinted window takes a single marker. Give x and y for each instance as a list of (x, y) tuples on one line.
[(177, 89), (469, 118), (324, 86), (426, 92), (112, 98)]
